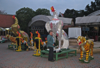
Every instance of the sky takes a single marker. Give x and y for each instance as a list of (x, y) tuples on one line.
[(11, 6)]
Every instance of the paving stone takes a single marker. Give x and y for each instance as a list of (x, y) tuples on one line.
[(24, 59)]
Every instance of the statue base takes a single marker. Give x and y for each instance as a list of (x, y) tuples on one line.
[(83, 60), (65, 53)]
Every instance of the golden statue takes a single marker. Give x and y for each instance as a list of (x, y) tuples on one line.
[(85, 46), (15, 27)]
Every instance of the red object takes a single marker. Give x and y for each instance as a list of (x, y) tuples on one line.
[(79, 43), (18, 26), (18, 34), (31, 35), (52, 9), (37, 32), (57, 34), (51, 25), (6, 20), (96, 38), (21, 39), (45, 38), (40, 40), (13, 16)]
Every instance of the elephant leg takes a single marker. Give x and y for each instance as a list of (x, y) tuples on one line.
[(60, 32)]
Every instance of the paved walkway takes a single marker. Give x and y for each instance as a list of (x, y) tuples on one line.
[(12, 59)]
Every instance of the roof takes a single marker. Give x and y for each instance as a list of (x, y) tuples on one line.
[(48, 18), (88, 19), (79, 20), (6, 20), (96, 13)]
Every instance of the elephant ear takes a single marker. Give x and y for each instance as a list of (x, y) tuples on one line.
[(47, 26)]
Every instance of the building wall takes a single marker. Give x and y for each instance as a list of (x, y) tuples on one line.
[(6, 20)]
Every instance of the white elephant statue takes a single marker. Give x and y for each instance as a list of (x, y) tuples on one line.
[(56, 26)]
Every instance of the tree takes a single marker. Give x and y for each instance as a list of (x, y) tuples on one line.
[(81, 13), (24, 16), (97, 3), (43, 11), (93, 7), (70, 13)]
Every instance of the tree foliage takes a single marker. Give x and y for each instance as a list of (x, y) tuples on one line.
[(43, 11), (24, 16), (73, 13), (94, 6)]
